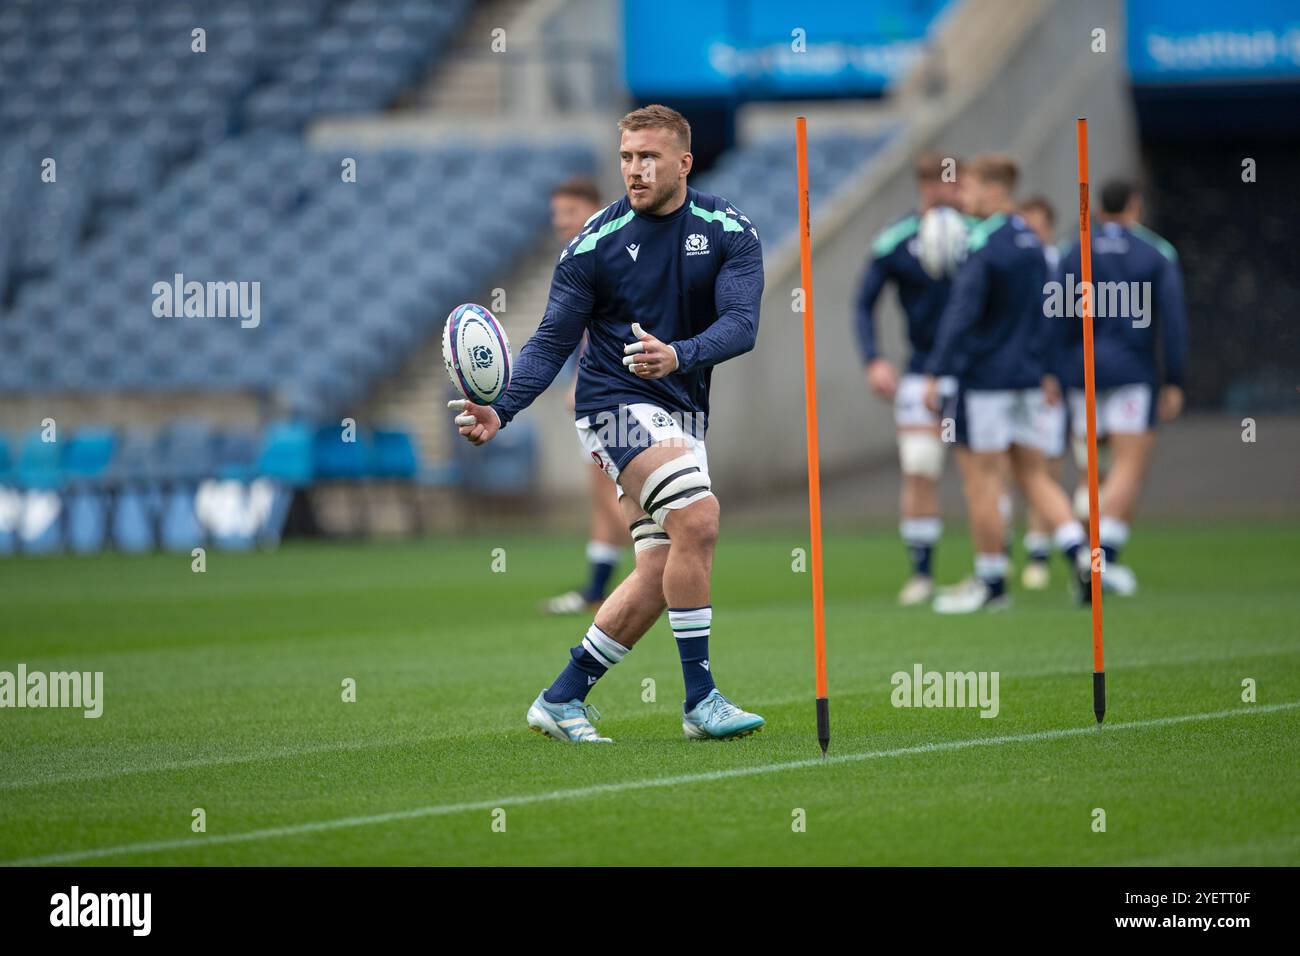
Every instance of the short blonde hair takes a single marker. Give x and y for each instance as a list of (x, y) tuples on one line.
[(657, 116), (996, 168)]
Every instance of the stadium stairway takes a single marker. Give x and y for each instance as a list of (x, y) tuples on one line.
[(470, 80)]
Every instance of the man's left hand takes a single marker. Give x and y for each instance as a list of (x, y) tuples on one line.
[(647, 357)]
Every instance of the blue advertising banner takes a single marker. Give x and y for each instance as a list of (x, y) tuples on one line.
[(755, 49), (1207, 41)]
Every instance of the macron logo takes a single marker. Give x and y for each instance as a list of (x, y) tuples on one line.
[(705, 663), (591, 680), (633, 250)]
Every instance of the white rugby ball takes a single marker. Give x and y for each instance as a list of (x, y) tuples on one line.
[(941, 240), (477, 353)]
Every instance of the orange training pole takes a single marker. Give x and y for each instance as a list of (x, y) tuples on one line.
[(1090, 397), (810, 401)]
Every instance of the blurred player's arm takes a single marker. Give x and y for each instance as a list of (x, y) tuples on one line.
[(1061, 330), (1172, 311), (568, 310), (965, 306), (880, 373), (737, 291)]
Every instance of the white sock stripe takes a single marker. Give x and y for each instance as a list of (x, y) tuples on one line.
[(920, 530), (698, 619), (599, 552), (1068, 535), (1112, 531), (991, 566), (603, 646), (1037, 541)]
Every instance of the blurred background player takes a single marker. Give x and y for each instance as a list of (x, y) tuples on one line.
[(994, 338), (922, 298), (1040, 216), (572, 204), (1139, 361), (679, 273)]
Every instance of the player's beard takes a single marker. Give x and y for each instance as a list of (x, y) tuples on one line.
[(660, 196)]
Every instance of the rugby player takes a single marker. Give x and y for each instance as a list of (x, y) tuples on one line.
[(572, 203), (666, 283), (994, 339), (1139, 358), (922, 298), (1040, 216)]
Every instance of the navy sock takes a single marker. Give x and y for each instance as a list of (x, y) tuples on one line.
[(602, 559), (992, 570), (589, 661), (921, 535), (691, 629)]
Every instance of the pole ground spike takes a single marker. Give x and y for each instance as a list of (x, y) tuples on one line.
[(823, 723)]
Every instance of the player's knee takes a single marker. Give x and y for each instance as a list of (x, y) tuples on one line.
[(920, 454), (649, 577), (695, 526)]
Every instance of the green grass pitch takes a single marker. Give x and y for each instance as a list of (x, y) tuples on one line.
[(223, 691)]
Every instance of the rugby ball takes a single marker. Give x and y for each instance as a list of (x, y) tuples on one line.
[(941, 240), (477, 353)]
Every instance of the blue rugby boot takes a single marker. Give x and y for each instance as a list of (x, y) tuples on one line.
[(716, 718), (569, 721)]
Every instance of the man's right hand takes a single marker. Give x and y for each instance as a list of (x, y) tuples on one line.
[(882, 378), (478, 423)]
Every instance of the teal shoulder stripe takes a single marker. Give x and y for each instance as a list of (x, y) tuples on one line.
[(891, 236), (613, 225), (597, 214), (979, 236), (1165, 247), (717, 215)]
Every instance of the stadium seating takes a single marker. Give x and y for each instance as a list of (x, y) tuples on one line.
[(345, 271), (184, 486), (93, 86)]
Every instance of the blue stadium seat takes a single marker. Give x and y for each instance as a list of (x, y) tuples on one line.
[(395, 455), (88, 455), (38, 463), (286, 454), (339, 460)]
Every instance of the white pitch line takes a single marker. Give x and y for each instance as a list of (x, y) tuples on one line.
[(288, 753), (582, 793)]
